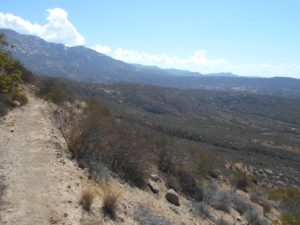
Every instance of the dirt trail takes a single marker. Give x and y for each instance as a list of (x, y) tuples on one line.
[(42, 184)]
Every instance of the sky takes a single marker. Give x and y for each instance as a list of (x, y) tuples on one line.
[(245, 37)]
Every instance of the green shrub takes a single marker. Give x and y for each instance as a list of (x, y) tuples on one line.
[(290, 219), (10, 75), (289, 198), (286, 195)]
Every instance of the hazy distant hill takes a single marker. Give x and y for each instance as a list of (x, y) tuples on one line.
[(85, 64)]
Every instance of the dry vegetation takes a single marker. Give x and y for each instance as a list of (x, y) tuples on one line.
[(98, 139), (86, 199), (110, 197)]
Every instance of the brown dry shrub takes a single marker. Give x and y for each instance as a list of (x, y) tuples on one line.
[(85, 130), (51, 89), (74, 140), (110, 197), (87, 198)]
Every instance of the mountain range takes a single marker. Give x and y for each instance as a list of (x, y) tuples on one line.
[(84, 64)]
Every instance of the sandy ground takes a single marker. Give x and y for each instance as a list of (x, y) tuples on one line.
[(42, 184)]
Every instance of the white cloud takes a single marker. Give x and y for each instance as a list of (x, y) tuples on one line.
[(102, 49), (57, 29), (199, 61), (198, 58)]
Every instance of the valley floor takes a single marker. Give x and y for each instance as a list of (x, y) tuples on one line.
[(40, 185)]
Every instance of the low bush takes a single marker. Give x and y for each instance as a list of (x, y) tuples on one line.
[(289, 198), (220, 200), (144, 216), (242, 182), (286, 195), (94, 137), (290, 218), (202, 209), (167, 159), (188, 185), (243, 206), (132, 171), (204, 163), (256, 197), (52, 90)]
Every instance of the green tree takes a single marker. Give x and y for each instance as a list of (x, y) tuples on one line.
[(10, 75)]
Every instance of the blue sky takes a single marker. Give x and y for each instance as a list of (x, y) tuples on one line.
[(249, 37)]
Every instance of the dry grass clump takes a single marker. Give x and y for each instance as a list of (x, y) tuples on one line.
[(110, 197), (87, 198)]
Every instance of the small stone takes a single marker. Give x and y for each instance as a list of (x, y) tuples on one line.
[(153, 187), (154, 177), (172, 197), (16, 103), (65, 214)]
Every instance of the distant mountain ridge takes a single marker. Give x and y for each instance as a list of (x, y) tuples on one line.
[(84, 64)]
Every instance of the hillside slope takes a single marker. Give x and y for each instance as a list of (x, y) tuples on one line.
[(84, 64), (41, 185)]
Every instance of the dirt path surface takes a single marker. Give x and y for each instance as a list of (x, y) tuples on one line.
[(42, 185)]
